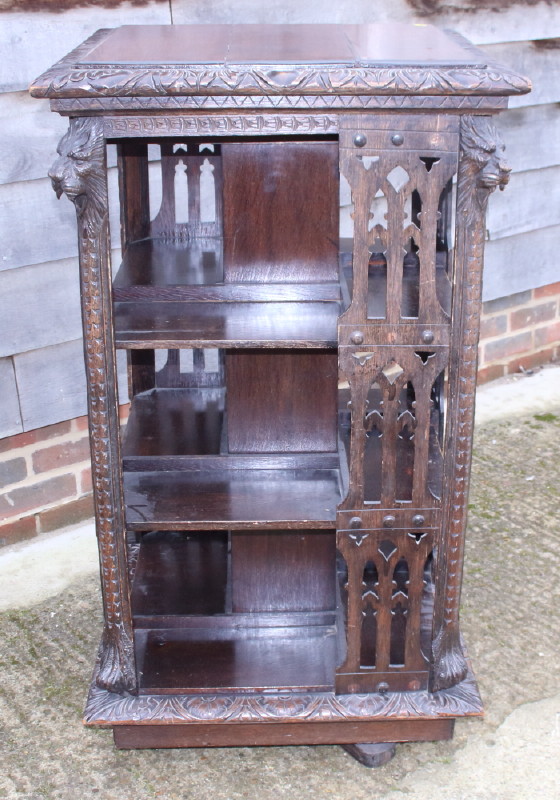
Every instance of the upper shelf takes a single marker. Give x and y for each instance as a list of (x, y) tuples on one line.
[(385, 59)]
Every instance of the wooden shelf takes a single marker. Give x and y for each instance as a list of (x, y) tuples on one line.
[(161, 324), (232, 499), (173, 422), (192, 271), (249, 659)]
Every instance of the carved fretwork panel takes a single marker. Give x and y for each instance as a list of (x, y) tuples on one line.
[(183, 214), (387, 597), (400, 184), (395, 432)]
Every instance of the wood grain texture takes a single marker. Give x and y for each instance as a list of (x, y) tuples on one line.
[(279, 571), (281, 401), (232, 499), (274, 230), (148, 736), (172, 324)]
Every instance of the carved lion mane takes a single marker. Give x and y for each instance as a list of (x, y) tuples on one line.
[(483, 166), (79, 170)]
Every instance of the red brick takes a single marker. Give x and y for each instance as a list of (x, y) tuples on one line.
[(493, 326), (547, 291), (81, 423), (490, 373), (66, 514), (12, 471), (35, 436), (501, 303), (530, 361), (85, 481), (548, 335), (27, 498), (503, 349), (524, 317), (61, 455), (18, 531)]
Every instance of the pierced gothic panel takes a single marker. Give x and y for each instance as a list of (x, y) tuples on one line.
[(406, 200), (396, 425), (388, 609)]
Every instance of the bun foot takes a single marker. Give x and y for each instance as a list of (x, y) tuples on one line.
[(371, 755)]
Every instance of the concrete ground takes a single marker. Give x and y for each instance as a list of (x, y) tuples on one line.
[(50, 620)]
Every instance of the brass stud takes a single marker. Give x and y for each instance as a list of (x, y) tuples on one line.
[(360, 140), (356, 522), (382, 687), (418, 520), (357, 337), (388, 521), (397, 139)]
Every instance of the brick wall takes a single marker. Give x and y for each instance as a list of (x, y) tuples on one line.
[(45, 479), (519, 332), (45, 475)]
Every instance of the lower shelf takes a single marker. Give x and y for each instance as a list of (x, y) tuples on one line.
[(238, 660)]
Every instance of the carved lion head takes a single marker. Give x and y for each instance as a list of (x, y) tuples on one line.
[(482, 146), (78, 172)]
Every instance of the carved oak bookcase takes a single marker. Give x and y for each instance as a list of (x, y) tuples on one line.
[(281, 525)]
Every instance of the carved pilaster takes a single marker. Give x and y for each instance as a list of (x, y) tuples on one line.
[(481, 170), (80, 173)]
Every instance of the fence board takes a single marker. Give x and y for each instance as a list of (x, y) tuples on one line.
[(531, 201), (10, 418), (510, 24), (39, 306), (521, 262), (30, 134), (35, 227), (52, 385), (31, 42), (537, 62), (531, 135)]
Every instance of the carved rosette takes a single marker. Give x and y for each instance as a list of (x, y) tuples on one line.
[(481, 169), (80, 173)]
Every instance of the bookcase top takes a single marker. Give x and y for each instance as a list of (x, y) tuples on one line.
[(384, 58)]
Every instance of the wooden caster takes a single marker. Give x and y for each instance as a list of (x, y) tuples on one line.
[(371, 755)]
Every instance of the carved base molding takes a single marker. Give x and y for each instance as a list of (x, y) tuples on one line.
[(105, 708)]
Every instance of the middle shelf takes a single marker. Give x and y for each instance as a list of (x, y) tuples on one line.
[(178, 474)]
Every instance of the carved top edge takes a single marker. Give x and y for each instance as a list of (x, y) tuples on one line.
[(106, 708), (71, 79)]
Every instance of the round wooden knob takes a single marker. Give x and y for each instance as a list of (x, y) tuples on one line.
[(427, 337)]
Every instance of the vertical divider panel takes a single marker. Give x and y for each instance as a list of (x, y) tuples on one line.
[(391, 364)]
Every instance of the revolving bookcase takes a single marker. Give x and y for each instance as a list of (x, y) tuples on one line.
[(281, 523)]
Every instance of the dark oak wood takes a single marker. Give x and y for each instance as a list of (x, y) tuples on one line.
[(201, 735), (231, 499), (281, 526), (173, 324)]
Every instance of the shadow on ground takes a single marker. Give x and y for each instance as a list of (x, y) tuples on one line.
[(511, 618)]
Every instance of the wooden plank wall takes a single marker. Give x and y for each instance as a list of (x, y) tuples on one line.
[(41, 372)]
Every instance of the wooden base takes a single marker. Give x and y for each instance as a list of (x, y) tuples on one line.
[(371, 755), (384, 732)]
